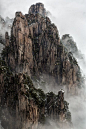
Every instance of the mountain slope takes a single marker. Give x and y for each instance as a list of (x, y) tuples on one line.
[(34, 48)]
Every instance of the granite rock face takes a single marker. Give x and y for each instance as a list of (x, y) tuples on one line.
[(37, 9), (19, 44), (24, 106), (69, 43), (35, 48), (71, 46), (17, 108)]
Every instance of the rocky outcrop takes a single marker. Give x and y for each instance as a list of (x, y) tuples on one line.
[(57, 108), (18, 46), (37, 9), (71, 46), (17, 109), (24, 106), (35, 48), (72, 49), (69, 43)]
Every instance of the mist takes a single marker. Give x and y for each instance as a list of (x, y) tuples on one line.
[(5, 26), (78, 111)]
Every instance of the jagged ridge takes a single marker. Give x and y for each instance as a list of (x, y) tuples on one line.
[(35, 48)]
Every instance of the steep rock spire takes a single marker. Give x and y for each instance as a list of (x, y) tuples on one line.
[(37, 8)]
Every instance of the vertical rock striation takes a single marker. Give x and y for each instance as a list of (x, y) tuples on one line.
[(37, 9), (20, 56), (23, 106), (34, 48)]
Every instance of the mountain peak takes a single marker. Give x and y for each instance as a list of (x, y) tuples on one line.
[(37, 8)]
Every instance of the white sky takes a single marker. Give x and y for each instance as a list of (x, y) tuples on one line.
[(68, 15)]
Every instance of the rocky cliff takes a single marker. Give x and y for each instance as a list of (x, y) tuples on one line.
[(37, 9), (34, 48), (24, 106), (71, 47)]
